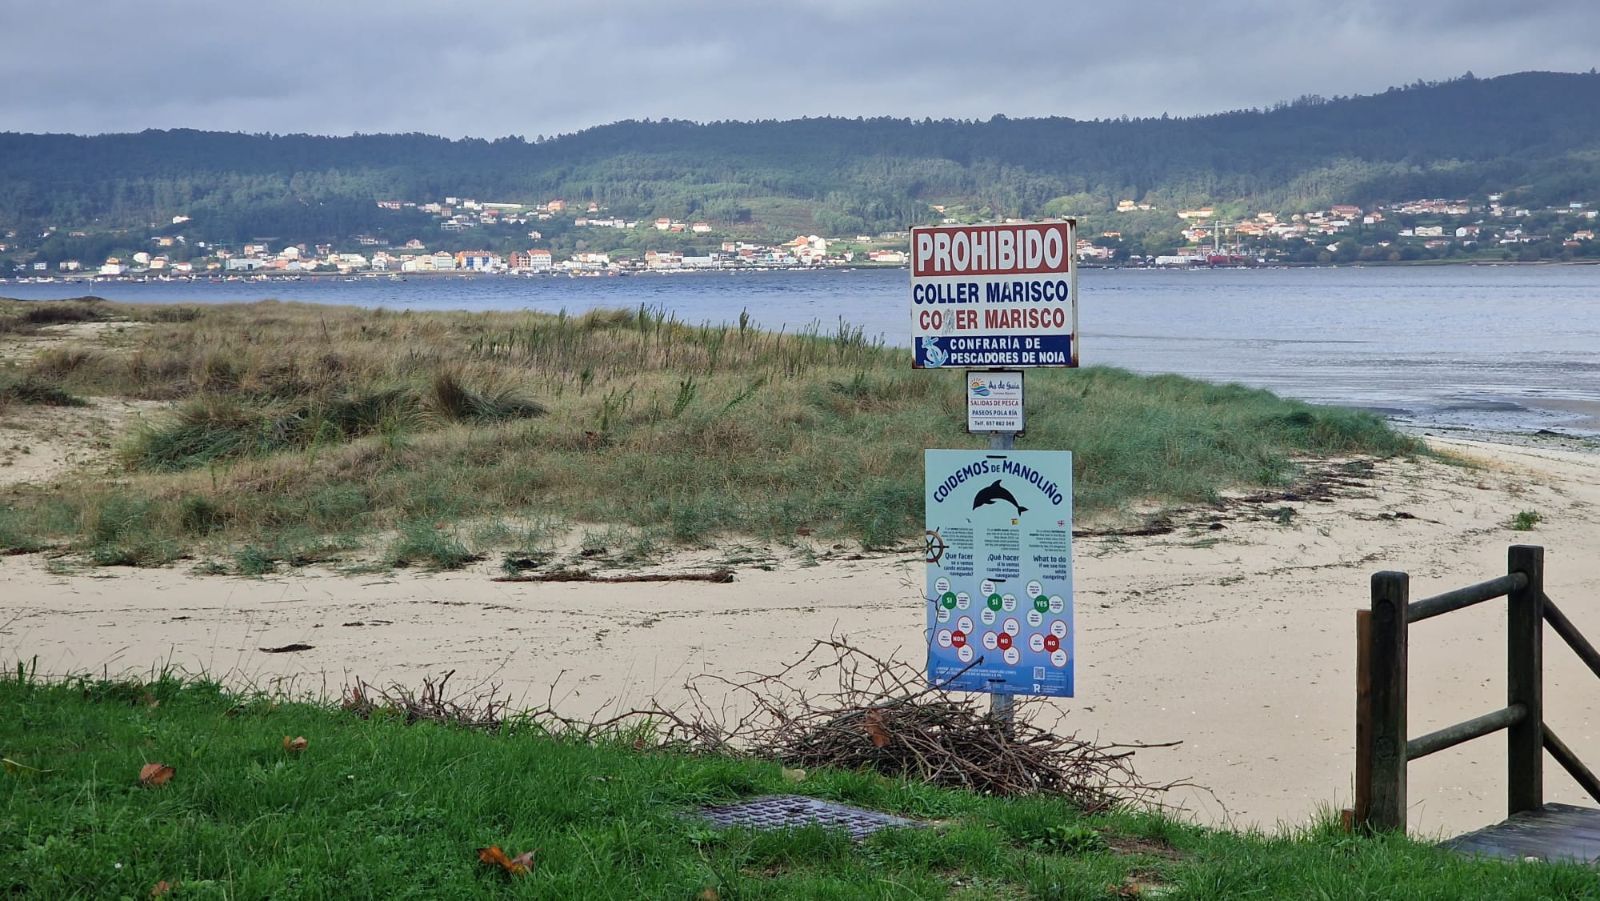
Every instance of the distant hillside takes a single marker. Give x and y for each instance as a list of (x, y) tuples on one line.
[(1534, 135)]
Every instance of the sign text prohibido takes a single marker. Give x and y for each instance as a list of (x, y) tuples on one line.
[(999, 571), (994, 295)]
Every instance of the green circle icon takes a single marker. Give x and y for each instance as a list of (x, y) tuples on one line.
[(948, 599), (994, 602), (1041, 603)]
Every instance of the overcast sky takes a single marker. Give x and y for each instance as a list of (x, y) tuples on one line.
[(489, 68)]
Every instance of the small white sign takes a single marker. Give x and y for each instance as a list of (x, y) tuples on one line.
[(994, 401)]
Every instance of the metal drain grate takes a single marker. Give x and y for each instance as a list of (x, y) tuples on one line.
[(788, 811)]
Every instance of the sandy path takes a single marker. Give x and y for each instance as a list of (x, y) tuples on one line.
[(40, 444), (1237, 641)]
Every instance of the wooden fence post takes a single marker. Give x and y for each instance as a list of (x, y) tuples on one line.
[(1362, 812), (1525, 681), (1391, 593)]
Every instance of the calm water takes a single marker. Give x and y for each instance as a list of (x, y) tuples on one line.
[(1500, 347)]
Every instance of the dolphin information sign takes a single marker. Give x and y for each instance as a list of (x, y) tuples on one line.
[(995, 295), (999, 571)]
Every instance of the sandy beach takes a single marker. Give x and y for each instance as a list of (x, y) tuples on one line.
[(1236, 640)]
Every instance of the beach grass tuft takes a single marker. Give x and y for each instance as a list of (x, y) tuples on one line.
[(426, 545), (1525, 521), (36, 390)]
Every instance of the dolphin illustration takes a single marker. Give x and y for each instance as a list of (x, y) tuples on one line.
[(994, 493)]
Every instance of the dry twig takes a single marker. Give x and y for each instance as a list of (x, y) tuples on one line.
[(475, 710)]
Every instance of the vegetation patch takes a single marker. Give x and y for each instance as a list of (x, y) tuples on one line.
[(27, 317), (1525, 520), (294, 418), (421, 544), (36, 391)]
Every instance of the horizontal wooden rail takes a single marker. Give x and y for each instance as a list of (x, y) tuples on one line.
[(1477, 727), (1465, 597), (1574, 638), (1570, 762)]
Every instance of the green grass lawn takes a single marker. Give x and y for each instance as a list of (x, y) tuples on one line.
[(376, 808)]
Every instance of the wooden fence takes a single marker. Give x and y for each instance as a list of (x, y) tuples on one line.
[(1382, 748)]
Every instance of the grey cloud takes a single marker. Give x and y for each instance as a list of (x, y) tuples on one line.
[(498, 67)]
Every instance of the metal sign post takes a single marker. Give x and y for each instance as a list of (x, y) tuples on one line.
[(999, 523), (1003, 707)]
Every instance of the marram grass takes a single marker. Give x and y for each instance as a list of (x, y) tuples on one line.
[(335, 421)]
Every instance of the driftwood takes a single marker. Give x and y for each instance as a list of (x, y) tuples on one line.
[(719, 576)]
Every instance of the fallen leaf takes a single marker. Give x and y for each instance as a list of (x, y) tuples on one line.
[(295, 745), (875, 729), (154, 775), (161, 888), (794, 775), (515, 866), (709, 894)]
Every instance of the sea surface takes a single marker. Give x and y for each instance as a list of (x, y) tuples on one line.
[(1504, 348)]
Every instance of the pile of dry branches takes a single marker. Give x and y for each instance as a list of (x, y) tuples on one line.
[(839, 706)]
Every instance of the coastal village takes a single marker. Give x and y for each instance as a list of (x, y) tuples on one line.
[(1481, 230)]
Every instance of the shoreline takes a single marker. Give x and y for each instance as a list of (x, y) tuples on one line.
[(378, 275)]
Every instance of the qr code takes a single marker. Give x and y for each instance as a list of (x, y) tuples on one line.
[(1038, 672)]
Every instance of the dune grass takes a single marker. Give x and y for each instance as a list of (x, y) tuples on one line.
[(34, 391), (340, 421), (377, 808)]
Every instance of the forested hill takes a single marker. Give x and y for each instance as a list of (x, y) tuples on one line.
[(1535, 136)]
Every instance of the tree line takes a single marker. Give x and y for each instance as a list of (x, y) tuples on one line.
[(1534, 134)]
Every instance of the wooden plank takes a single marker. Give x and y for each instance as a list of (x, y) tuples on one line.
[(1551, 832), (1525, 681), (1570, 762), (1570, 633), (1450, 736), (1390, 596), (1450, 601)]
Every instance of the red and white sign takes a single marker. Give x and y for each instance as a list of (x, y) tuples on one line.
[(994, 295)]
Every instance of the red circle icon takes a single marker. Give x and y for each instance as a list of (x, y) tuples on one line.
[(959, 639), (1052, 643), (1004, 640)]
